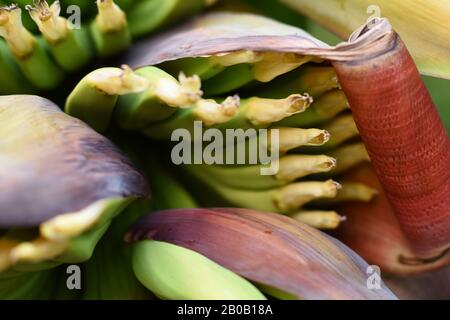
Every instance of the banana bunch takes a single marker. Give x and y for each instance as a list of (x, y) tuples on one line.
[(40, 52), (62, 184), (296, 99)]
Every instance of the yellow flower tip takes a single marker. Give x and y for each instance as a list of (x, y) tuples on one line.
[(190, 87), (37, 250), (231, 105), (211, 113), (266, 111), (52, 26), (326, 220), (180, 94), (298, 103), (110, 17), (20, 41), (69, 225), (295, 195), (117, 81)]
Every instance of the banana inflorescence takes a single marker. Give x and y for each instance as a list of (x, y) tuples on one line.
[(291, 104), (303, 107)]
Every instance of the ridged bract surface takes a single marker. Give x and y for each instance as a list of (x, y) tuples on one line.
[(406, 141)]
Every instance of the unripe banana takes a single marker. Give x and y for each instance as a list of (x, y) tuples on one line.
[(164, 95), (95, 96), (161, 267), (109, 30), (29, 52), (71, 47)]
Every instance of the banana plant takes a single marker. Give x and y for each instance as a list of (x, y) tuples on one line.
[(247, 72)]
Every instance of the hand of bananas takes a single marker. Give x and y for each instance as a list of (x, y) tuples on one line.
[(69, 196)]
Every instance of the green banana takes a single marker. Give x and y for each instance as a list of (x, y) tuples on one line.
[(95, 96), (11, 79), (290, 168), (29, 52), (229, 80), (164, 95), (157, 264), (314, 80), (261, 113), (323, 109), (108, 274), (341, 129), (285, 199), (161, 267), (228, 73), (350, 191), (241, 152), (348, 156), (70, 47), (206, 112), (109, 30), (147, 15), (252, 113)]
